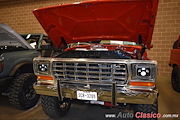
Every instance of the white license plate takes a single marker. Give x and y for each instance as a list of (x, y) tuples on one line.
[(86, 95)]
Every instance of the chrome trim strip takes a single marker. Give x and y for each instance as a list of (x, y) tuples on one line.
[(97, 60)]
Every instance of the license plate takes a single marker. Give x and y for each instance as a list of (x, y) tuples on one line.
[(86, 95)]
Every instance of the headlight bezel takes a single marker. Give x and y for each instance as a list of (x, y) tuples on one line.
[(45, 64), (139, 76)]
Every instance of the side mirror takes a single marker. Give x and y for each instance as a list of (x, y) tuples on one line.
[(46, 50), (46, 46), (43, 47)]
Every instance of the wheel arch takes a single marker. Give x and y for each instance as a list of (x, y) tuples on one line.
[(24, 67)]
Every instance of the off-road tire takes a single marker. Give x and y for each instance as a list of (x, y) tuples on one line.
[(146, 108), (51, 106), (175, 45), (175, 78), (22, 94)]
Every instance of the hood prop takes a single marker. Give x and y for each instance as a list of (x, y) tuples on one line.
[(140, 43), (63, 43), (140, 39)]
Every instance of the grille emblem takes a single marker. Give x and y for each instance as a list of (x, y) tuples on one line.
[(87, 86)]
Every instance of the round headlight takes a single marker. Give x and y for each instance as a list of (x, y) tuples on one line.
[(143, 71), (42, 67)]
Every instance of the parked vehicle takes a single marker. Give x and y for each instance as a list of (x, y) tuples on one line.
[(35, 39), (101, 57), (175, 63), (16, 67)]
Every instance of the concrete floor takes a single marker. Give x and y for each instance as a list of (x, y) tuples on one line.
[(169, 103)]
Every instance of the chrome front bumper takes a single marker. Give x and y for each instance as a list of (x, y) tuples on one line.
[(133, 97)]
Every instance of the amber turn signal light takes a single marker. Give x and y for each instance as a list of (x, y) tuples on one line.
[(45, 77), (150, 84)]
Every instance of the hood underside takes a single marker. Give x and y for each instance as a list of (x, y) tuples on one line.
[(125, 20), (9, 37)]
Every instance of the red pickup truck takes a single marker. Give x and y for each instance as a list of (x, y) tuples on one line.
[(100, 56), (175, 63)]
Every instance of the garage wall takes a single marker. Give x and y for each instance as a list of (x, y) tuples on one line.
[(18, 15), (167, 30)]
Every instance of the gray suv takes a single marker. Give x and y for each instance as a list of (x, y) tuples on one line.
[(16, 69)]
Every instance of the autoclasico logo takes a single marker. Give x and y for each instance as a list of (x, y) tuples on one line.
[(132, 115), (140, 115)]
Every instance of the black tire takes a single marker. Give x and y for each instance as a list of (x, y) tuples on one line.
[(176, 44), (22, 94), (52, 106), (146, 108), (175, 78)]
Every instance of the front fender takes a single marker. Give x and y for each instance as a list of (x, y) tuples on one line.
[(14, 60)]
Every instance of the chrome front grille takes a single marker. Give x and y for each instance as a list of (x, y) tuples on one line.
[(90, 71)]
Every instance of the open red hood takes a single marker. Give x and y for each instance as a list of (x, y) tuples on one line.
[(126, 20)]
